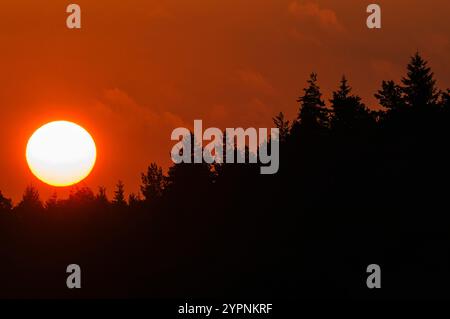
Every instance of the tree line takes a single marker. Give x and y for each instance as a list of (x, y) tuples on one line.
[(356, 186)]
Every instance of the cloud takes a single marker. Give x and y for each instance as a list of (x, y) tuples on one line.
[(259, 110), (126, 110), (125, 107), (120, 103), (305, 37), (256, 81), (326, 18), (253, 112)]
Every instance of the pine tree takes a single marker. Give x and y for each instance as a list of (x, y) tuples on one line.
[(283, 126), (390, 96), (101, 196), (419, 85), (81, 196), (153, 182), (30, 199), (348, 112), (134, 200), (119, 195), (313, 114), (183, 176)]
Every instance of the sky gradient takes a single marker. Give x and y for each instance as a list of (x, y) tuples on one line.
[(138, 69)]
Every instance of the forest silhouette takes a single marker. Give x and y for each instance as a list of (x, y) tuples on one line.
[(355, 187)]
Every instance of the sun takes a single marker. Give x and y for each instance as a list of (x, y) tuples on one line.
[(61, 153)]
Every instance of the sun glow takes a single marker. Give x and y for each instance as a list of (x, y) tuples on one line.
[(61, 153)]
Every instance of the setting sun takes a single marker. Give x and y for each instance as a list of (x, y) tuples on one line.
[(61, 153)]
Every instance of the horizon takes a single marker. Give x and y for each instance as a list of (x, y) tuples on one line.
[(129, 90), (63, 192)]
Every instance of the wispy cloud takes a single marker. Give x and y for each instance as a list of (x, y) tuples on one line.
[(255, 80), (326, 18)]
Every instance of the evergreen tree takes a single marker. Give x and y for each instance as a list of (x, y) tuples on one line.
[(283, 125), (81, 196), (153, 183), (390, 96), (101, 196), (119, 195), (313, 114), (30, 199), (134, 200), (348, 112), (184, 176), (419, 85)]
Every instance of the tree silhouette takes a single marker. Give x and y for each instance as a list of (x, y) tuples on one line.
[(101, 196), (351, 189), (313, 115), (283, 126), (81, 196), (153, 183), (348, 112), (390, 96), (419, 85), (184, 176), (30, 200), (119, 195), (134, 200)]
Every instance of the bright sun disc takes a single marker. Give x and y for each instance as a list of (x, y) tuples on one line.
[(61, 153)]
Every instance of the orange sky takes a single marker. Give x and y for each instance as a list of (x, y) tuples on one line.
[(138, 69)]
